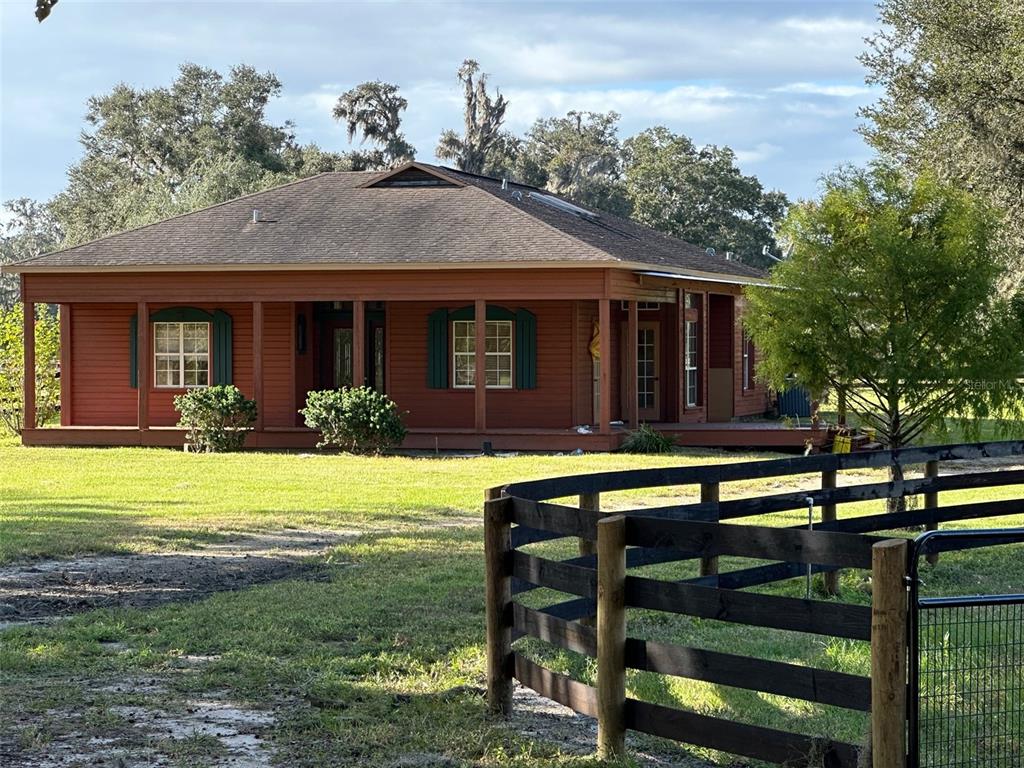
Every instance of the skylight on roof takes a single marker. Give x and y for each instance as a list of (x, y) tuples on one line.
[(562, 205)]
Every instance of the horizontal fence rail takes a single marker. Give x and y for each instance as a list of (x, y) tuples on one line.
[(597, 584)]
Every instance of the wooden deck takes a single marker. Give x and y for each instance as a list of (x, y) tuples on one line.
[(766, 434), (745, 434)]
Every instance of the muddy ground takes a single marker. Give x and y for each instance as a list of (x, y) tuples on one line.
[(51, 589), (146, 721)]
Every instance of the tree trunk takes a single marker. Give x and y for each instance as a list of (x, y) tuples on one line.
[(895, 476)]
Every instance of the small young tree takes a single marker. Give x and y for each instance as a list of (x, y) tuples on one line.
[(12, 376), (890, 295)]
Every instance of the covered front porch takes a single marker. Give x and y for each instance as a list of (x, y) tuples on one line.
[(570, 360)]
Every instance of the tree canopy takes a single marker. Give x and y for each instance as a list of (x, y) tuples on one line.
[(483, 116), (953, 75), (889, 296), (373, 110), (29, 231), (155, 152), (699, 195), (578, 156), (151, 153)]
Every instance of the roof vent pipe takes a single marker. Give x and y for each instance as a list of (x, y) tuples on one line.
[(255, 215)]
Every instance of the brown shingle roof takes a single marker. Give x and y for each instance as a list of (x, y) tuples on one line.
[(335, 219)]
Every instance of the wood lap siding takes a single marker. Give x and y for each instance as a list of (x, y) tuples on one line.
[(101, 394), (100, 391), (550, 404), (546, 406), (278, 376)]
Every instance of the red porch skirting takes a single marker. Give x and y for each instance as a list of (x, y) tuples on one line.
[(769, 435)]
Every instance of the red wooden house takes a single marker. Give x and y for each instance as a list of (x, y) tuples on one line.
[(379, 279)]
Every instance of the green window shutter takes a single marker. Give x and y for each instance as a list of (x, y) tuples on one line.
[(133, 352), (222, 348), (222, 373), (526, 349), (437, 349)]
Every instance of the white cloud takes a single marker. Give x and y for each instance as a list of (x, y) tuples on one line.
[(682, 104), (759, 153), (817, 110), (821, 89)]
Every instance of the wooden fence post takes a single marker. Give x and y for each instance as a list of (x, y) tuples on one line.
[(708, 493), (497, 552), (889, 654), (611, 637), (591, 502), (931, 501), (828, 515)]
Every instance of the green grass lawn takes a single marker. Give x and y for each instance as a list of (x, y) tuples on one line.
[(382, 656)]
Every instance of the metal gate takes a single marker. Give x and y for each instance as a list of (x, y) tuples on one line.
[(966, 698)]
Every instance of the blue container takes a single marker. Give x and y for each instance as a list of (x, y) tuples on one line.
[(795, 402)]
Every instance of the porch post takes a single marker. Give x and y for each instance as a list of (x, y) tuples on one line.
[(358, 343), (29, 331), (680, 353), (142, 363), (480, 362), (257, 361), (632, 365), (66, 417), (605, 333)]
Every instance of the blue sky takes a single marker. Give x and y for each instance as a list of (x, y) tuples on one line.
[(778, 82)]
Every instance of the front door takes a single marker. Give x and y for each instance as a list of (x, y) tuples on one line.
[(337, 347), (648, 375)]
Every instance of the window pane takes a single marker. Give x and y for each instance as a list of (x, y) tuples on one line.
[(196, 371), (465, 370), (167, 339), (196, 337), (167, 371)]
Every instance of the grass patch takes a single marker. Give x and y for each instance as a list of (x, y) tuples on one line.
[(382, 659)]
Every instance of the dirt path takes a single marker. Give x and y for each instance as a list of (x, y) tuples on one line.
[(51, 589)]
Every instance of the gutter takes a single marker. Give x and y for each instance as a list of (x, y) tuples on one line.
[(709, 278)]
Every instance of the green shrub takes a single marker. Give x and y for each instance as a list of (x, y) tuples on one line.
[(647, 440), (12, 375), (217, 418), (360, 419)]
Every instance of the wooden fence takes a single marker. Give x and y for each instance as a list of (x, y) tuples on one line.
[(610, 545)]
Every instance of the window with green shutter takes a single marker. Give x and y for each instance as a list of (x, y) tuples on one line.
[(220, 323), (440, 359)]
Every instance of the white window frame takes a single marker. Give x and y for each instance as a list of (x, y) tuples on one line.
[(180, 356), (690, 362), (748, 380), (466, 329)]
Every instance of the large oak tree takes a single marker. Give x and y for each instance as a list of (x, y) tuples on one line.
[(953, 101)]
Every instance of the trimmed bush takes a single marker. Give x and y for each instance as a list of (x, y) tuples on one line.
[(355, 419), (217, 418), (646, 439)]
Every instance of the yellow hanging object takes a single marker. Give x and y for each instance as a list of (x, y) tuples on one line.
[(841, 444), (595, 342)]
